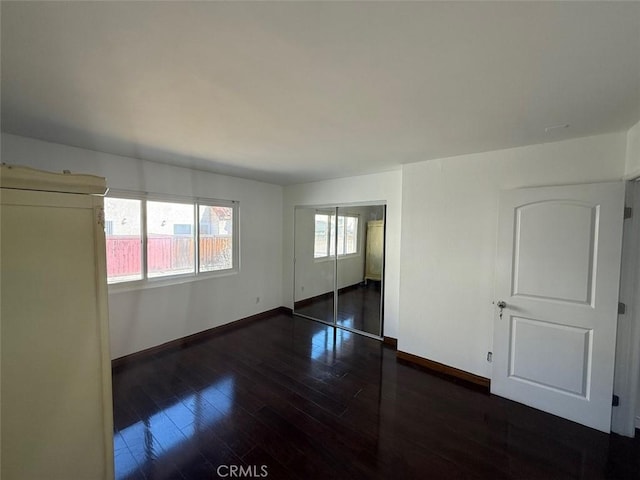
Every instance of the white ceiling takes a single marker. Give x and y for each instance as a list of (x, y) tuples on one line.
[(288, 92)]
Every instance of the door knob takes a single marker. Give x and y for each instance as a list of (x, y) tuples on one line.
[(501, 305)]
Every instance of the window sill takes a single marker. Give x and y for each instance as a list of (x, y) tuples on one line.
[(115, 288)]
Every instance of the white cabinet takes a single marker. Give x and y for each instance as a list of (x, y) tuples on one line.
[(56, 376), (374, 251)]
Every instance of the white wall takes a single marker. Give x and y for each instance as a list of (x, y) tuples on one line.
[(144, 318), (632, 163), (449, 224), (376, 188)]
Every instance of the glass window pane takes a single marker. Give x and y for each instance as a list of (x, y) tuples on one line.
[(123, 235), (332, 235), (351, 235), (321, 236), (340, 235), (216, 238), (170, 242)]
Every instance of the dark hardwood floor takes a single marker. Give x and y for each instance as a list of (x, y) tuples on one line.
[(294, 398), (359, 307)]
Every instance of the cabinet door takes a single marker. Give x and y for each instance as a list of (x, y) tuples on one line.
[(56, 392)]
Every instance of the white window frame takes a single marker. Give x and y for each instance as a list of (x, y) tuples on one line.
[(196, 275)]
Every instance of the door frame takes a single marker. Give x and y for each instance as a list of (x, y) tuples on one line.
[(624, 419)]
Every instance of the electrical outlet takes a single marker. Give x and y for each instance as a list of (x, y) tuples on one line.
[(489, 357)]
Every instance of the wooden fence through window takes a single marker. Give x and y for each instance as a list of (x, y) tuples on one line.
[(166, 254)]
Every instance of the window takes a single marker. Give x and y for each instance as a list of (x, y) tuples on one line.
[(123, 235), (168, 252), (216, 238), (325, 233), (347, 235), (164, 243)]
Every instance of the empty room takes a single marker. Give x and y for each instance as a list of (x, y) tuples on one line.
[(319, 239)]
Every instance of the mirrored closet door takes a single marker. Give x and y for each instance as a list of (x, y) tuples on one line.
[(314, 270), (339, 266)]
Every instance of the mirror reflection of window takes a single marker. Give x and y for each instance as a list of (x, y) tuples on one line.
[(347, 235), (323, 228)]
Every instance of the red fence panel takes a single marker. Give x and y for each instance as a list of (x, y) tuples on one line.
[(166, 254), (123, 256)]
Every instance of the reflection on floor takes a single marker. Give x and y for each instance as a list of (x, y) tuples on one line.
[(297, 399), (358, 307)]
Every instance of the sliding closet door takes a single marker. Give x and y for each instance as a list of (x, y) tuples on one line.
[(314, 272), (359, 263)]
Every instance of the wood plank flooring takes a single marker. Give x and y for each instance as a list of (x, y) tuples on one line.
[(293, 398), (359, 307)]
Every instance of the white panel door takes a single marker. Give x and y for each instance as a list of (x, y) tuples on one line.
[(558, 269)]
